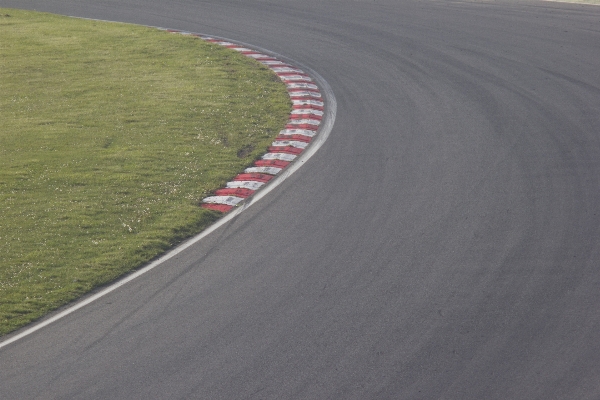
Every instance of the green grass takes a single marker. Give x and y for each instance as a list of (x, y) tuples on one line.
[(111, 134)]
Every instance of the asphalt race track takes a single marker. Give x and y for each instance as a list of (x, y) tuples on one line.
[(443, 243)]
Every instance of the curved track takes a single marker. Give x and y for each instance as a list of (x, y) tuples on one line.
[(443, 243)]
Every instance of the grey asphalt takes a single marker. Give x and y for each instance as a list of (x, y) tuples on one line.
[(442, 244)]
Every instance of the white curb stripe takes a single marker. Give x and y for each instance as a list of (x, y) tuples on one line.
[(305, 94), (279, 156), (293, 143), (263, 170), (303, 132), (286, 69), (305, 111), (253, 185), (295, 78), (301, 85), (308, 103), (228, 200), (258, 56), (273, 62), (304, 122)]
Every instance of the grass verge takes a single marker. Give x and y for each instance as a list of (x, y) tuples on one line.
[(111, 134)]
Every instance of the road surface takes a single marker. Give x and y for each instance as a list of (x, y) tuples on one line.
[(443, 243)]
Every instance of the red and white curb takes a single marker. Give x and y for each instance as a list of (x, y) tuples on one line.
[(301, 128), (277, 165)]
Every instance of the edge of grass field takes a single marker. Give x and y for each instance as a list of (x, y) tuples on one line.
[(319, 140), (25, 302)]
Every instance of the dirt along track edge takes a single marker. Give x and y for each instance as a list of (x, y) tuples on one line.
[(320, 136)]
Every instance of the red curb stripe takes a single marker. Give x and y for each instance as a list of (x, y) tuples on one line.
[(305, 117), (298, 118), (285, 149), (216, 207), (304, 96), (298, 138), (302, 125), (290, 127), (271, 163), (291, 74), (301, 89), (307, 107), (310, 116), (239, 192), (253, 177)]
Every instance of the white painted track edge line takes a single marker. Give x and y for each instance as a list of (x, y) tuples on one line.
[(318, 141)]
